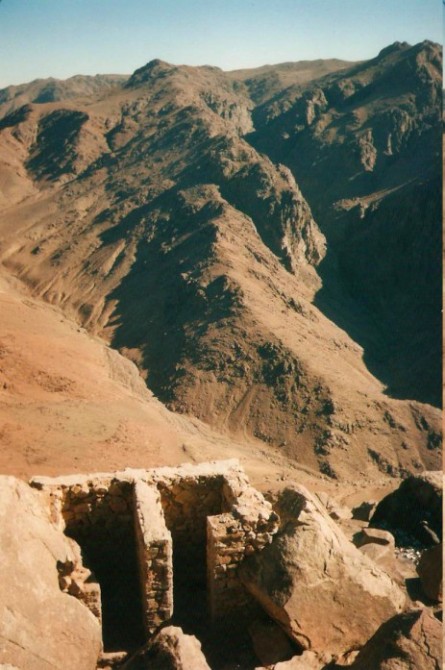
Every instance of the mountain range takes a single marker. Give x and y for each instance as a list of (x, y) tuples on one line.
[(264, 245)]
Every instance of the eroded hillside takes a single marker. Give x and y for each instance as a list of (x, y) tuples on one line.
[(147, 214)]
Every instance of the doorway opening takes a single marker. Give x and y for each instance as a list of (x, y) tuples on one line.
[(103, 526), (188, 504)]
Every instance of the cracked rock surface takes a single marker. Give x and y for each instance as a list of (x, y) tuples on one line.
[(312, 575), (410, 641)]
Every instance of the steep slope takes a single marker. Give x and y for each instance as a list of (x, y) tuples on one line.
[(148, 218), (69, 403), (364, 145)]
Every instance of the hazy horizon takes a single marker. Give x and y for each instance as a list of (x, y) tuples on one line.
[(60, 39)]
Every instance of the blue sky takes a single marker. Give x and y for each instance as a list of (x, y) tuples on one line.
[(60, 38)]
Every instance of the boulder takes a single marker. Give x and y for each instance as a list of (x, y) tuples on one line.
[(41, 627), (170, 649), (430, 571), (270, 643), (111, 660), (379, 546), (334, 509), (413, 513), (325, 594), (374, 536), (410, 641), (306, 661), (385, 557), (364, 511)]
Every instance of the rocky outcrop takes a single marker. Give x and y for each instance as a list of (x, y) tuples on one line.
[(430, 570), (413, 513), (170, 649), (326, 595), (41, 627), (411, 641)]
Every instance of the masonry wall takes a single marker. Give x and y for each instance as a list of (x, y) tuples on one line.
[(198, 522), (231, 537), (155, 556), (108, 506)]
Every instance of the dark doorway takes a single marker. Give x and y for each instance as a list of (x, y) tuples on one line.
[(109, 551), (227, 644)]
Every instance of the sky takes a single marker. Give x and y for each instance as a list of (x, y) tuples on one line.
[(61, 38)]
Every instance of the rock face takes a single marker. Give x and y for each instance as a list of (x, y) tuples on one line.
[(170, 649), (326, 595), (414, 511), (430, 570), (411, 641), (41, 627)]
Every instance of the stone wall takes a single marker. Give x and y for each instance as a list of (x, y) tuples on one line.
[(248, 527), (186, 503), (78, 581), (155, 554), (202, 520)]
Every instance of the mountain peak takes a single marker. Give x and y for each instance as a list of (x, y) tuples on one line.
[(393, 48), (152, 69)]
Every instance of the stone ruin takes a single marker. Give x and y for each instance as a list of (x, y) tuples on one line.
[(157, 541)]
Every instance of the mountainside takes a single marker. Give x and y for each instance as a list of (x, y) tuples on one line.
[(68, 402), (182, 217), (365, 147)]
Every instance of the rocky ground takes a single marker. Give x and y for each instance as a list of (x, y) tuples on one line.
[(325, 588)]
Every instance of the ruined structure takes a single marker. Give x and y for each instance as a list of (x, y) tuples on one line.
[(150, 536)]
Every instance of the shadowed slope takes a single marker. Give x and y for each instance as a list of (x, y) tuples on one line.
[(364, 145)]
